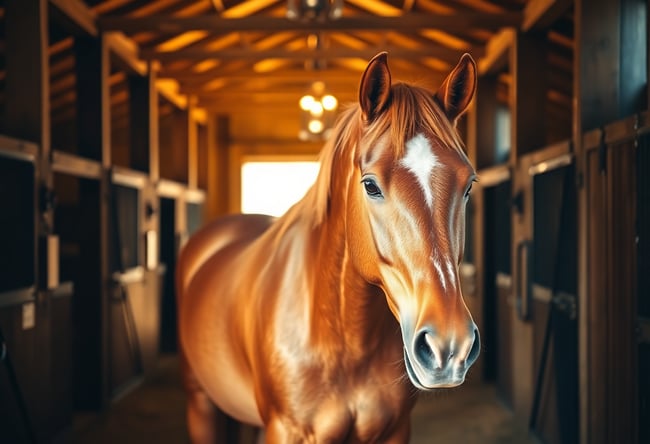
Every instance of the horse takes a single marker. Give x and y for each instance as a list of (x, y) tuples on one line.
[(324, 324)]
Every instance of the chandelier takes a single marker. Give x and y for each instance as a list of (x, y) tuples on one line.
[(314, 9), (318, 112)]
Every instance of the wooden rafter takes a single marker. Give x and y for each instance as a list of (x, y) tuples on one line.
[(254, 55), (213, 23)]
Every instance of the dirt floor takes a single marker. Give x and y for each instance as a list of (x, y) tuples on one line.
[(154, 413)]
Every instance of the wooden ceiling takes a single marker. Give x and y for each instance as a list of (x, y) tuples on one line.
[(233, 55), (229, 52), (244, 57)]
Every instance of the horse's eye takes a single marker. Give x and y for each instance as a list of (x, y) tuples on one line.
[(469, 189), (371, 188)]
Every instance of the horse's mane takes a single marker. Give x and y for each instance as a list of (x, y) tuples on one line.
[(412, 109)]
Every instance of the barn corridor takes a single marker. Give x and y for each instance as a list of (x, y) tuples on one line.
[(126, 126), (154, 412)]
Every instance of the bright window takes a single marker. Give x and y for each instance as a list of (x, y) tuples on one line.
[(273, 187)]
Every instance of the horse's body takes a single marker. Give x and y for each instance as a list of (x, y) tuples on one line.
[(309, 325)]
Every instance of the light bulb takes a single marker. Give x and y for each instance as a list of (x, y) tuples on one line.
[(306, 102), (315, 126), (329, 102)]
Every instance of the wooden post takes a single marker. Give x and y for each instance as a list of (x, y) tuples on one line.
[(218, 166), (27, 117), (482, 119), (192, 146), (92, 65), (527, 67)]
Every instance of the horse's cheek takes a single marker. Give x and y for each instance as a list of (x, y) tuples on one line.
[(362, 253)]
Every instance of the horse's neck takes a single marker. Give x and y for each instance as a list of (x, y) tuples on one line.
[(347, 311)]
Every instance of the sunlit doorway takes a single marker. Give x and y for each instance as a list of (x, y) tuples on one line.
[(272, 187)]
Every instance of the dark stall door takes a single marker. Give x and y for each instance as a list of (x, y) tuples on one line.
[(168, 251), (497, 336), (554, 414)]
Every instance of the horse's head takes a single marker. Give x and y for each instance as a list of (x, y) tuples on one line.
[(408, 193)]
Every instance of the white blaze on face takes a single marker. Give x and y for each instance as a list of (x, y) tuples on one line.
[(421, 161)]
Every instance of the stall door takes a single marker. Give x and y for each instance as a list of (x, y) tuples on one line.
[(77, 223), (497, 306), (617, 258), (168, 251), (554, 413)]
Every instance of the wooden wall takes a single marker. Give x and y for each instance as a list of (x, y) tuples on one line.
[(570, 335), (87, 326)]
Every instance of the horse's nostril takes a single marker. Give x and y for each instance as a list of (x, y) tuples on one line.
[(423, 352), (475, 350)]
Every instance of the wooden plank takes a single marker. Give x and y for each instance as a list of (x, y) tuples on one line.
[(540, 14), (127, 50), (192, 147), (438, 51), (621, 386), (496, 52), (218, 147), (213, 23), (93, 98), (599, 56), (79, 13), (188, 78), (529, 80), (26, 86)]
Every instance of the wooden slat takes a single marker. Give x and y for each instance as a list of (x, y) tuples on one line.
[(406, 22)]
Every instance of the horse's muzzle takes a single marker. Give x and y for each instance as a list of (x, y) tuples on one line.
[(435, 362)]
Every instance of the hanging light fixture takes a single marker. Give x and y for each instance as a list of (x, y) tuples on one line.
[(318, 112), (314, 9)]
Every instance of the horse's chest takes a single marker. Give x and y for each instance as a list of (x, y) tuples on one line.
[(357, 415)]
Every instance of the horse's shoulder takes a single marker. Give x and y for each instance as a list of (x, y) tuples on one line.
[(216, 236)]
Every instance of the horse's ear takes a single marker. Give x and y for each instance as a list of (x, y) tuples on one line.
[(457, 91), (374, 92)]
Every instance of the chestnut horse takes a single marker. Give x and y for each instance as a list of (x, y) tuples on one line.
[(308, 325)]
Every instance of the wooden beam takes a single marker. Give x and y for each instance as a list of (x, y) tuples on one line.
[(127, 50), (189, 80), (539, 14), (79, 13), (123, 46), (441, 52), (497, 51), (213, 23)]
